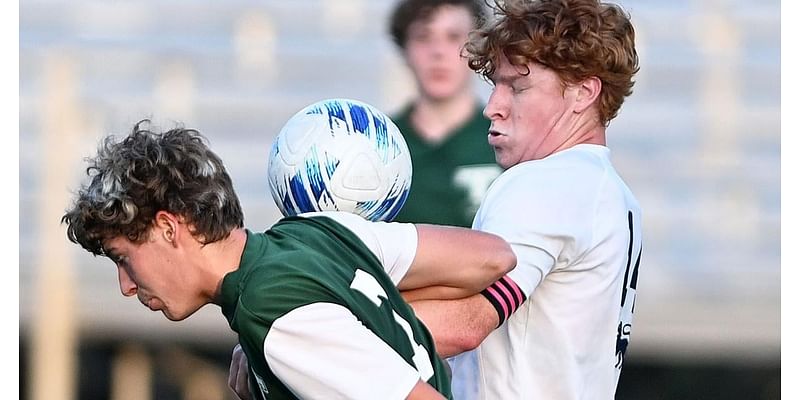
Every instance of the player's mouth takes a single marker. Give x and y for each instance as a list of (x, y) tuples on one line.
[(494, 137), (439, 72), (439, 75)]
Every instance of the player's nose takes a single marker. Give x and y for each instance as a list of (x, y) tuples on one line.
[(126, 285), (496, 106)]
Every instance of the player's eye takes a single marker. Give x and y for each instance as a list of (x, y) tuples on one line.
[(118, 260), (456, 38), (519, 89), (420, 37)]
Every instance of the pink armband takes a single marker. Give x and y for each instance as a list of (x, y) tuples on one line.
[(505, 296)]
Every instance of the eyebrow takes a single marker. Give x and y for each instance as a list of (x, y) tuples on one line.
[(508, 78), (111, 253)]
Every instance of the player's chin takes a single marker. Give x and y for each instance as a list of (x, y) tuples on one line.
[(502, 159), (499, 157), (440, 90), (175, 316)]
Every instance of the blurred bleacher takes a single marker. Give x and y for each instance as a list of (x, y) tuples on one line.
[(698, 142)]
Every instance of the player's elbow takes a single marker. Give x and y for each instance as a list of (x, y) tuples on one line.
[(472, 341), (507, 260), (498, 260), (502, 261), (464, 342)]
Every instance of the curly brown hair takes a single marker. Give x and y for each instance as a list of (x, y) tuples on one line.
[(577, 39), (146, 172)]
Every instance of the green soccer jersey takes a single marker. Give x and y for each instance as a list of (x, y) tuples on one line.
[(449, 178), (318, 315)]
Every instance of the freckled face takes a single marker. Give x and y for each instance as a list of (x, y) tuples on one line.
[(530, 113)]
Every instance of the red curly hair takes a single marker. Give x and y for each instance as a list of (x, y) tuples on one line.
[(577, 39)]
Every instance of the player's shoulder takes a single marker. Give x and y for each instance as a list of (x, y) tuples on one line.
[(280, 283), (340, 217), (581, 162), (339, 223), (571, 176), (306, 225)]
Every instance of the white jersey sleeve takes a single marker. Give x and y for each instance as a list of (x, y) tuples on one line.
[(333, 368), (540, 225), (394, 243), (534, 258)]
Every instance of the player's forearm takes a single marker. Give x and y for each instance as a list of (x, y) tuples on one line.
[(457, 325), (458, 258), (435, 293)]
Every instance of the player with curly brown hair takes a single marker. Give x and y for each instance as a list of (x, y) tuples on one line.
[(314, 299)]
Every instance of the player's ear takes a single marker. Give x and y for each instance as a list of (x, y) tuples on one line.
[(166, 225), (586, 93)]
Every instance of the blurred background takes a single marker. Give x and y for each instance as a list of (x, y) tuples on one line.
[(698, 142)]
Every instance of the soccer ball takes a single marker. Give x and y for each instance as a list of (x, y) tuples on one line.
[(340, 154)]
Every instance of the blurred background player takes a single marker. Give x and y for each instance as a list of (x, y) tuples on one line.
[(313, 299), (443, 126), (557, 327)]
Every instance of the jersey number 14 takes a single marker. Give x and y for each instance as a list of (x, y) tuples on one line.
[(628, 293)]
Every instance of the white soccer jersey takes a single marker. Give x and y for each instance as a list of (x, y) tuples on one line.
[(576, 230)]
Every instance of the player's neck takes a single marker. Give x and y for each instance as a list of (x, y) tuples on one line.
[(221, 258), (435, 120), (588, 130), (581, 131)]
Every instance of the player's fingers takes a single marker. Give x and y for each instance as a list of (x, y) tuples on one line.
[(238, 373), (233, 372), (242, 387)]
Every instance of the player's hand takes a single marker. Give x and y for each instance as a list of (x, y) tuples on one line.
[(238, 374)]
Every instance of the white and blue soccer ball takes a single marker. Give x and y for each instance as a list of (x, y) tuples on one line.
[(340, 154)]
